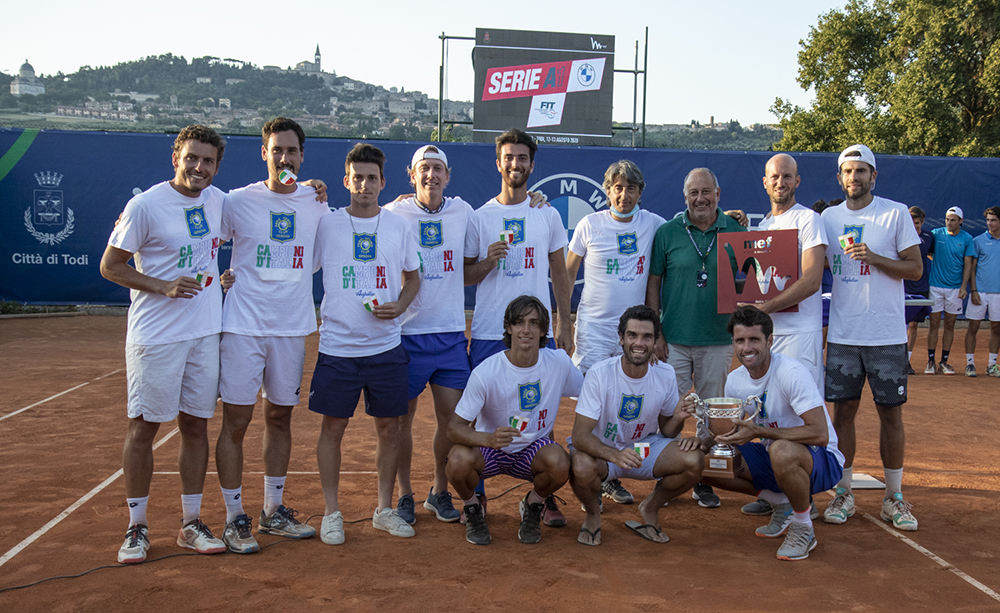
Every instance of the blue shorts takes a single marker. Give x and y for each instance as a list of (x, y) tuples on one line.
[(825, 474), (917, 313), (480, 349), (337, 383), (440, 359)]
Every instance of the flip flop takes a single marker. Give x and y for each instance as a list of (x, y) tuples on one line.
[(593, 535), (639, 529)]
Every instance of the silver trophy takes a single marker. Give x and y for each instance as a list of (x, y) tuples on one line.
[(717, 414)]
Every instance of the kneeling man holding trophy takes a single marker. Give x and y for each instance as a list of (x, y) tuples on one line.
[(797, 454)]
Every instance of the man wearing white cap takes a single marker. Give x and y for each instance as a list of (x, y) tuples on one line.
[(877, 248), (950, 274)]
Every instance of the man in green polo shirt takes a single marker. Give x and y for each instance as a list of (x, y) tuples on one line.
[(683, 288)]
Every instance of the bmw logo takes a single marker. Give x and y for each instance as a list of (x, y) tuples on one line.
[(586, 74)]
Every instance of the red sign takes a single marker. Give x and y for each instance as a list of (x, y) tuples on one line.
[(754, 267), (527, 80)]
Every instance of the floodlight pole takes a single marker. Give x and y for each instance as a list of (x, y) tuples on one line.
[(444, 38), (635, 90)]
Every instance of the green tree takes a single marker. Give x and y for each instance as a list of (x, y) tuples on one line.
[(918, 77)]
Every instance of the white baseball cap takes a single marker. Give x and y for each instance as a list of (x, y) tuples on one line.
[(956, 210), (428, 152), (866, 156)]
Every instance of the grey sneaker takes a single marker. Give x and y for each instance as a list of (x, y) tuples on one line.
[(442, 506), (993, 371), (406, 509), (781, 516), (970, 370), (530, 530), (238, 537), (840, 508), (476, 530), (283, 523), (614, 490), (133, 550), (801, 539), (705, 496), (196, 535), (389, 521), (759, 507)]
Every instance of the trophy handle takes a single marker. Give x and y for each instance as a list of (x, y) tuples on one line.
[(699, 412), (754, 400)]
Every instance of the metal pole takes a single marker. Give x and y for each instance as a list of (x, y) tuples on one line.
[(635, 91), (441, 88), (645, 79)]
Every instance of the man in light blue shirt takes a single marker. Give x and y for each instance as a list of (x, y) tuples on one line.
[(984, 293), (950, 274)]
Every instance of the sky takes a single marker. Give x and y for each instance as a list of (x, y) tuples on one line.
[(724, 58)]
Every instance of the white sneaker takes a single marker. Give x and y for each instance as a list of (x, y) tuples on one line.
[(196, 535), (389, 521), (840, 508), (133, 550), (897, 510), (332, 531)]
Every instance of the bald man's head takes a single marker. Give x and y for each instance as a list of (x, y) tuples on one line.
[(781, 178)]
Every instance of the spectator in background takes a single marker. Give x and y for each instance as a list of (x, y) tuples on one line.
[(920, 287)]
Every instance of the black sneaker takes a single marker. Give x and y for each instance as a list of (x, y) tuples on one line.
[(705, 496), (530, 531), (481, 497), (476, 530), (614, 490)]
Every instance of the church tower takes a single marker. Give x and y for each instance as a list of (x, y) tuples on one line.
[(318, 66)]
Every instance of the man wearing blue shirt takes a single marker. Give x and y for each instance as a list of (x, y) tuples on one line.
[(922, 286), (951, 272), (984, 294)]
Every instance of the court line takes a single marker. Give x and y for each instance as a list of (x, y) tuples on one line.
[(76, 505), (291, 472), (31, 406), (930, 554)]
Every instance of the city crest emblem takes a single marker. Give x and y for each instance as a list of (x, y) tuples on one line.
[(530, 394), (282, 227), (856, 231), (631, 408), (517, 227), (196, 222), (365, 247), (627, 244), (430, 234), (49, 211)]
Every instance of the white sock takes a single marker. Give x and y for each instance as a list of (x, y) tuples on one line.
[(772, 497), (801, 518), (534, 498), (137, 510), (474, 501), (190, 508), (274, 488), (909, 355), (970, 358), (234, 503), (893, 481), (845, 480), (993, 359)]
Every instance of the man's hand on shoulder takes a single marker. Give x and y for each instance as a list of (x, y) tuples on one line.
[(317, 185)]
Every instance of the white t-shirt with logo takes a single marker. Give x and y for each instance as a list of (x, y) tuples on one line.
[(498, 390), (440, 303), (627, 410), (361, 258), (812, 233), (867, 306), (537, 233), (172, 236), (787, 391), (615, 263), (273, 236)]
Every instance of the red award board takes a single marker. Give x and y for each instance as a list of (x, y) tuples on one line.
[(754, 267)]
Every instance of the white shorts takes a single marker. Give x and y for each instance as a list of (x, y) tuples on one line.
[(250, 362), (987, 302), (805, 348), (946, 299), (176, 377), (594, 342), (657, 443)]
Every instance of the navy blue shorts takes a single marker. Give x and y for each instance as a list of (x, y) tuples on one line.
[(338, 382), (480, 349), (440, 359), (825, 474)]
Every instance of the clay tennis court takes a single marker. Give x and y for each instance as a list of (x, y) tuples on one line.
[(64, 513)]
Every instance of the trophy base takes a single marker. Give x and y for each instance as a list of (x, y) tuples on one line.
[(724, 467)]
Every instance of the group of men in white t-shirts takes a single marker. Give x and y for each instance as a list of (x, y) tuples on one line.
[(393, 321)]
